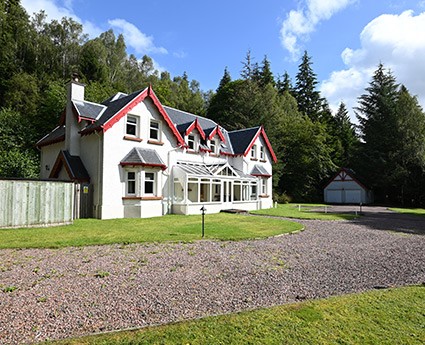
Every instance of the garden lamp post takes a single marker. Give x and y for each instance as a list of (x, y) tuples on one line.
[(203, 209)]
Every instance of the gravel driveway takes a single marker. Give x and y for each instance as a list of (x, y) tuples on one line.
[(77, 291)]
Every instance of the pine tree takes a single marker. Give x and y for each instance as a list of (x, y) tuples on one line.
[(346, 133), (266, 75), (224, 80), (309, 101), (285, 84)]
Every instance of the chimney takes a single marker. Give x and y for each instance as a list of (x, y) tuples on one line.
[(75, 92)]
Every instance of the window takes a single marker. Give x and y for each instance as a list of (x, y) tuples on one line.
[(191, 142), (131, 126), (213, 146), (150, 183), (131, 183), (264, 186), (254, 151), (262, 153), (154, 131)]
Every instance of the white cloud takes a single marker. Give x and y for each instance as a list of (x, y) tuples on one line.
[(398, 41), (140, 42), (299, 24), (55, 11)]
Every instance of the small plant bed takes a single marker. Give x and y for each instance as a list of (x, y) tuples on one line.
[(304, 211), (174, 228), (413, 211), (393, 316)]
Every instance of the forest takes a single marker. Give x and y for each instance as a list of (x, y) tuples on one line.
[(385, 148)]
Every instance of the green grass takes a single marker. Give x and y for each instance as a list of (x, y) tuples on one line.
[(292, 211), (395, 316), (414, 211), (167, 228)]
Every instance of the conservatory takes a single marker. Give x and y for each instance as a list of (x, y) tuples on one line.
[(217, 187)]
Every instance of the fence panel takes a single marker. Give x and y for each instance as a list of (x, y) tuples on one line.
[(29, 203)]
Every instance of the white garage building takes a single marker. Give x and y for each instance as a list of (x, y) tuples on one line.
[(344, 188)]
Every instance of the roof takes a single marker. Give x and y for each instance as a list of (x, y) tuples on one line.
[(104, 116), (55, 136), (73, 165), (201, 169), (89, 110), (259, 170), (343, 172), (143, 157)]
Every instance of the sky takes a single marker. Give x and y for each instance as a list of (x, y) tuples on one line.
[(346, 39)]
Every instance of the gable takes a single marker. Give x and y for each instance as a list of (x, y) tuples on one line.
[(345, 175), (73, 165)]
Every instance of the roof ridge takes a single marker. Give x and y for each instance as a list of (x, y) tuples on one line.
[(244, 129), (186, 112)]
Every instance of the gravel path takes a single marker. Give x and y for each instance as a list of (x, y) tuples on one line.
[(77, 291)]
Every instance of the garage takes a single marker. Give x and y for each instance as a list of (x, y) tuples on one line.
[(345, 188)]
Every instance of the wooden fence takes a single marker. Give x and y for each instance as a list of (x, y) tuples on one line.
[(31, 203)]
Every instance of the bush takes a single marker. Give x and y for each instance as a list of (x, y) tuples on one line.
[(282, 198)]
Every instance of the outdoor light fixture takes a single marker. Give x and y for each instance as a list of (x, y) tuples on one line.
[(203, 210)]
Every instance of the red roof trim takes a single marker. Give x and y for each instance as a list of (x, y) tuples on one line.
[(124, 111), (152, 165), (261, 175), (164, 114), (349, 174), (261, 132), (217, 131), (62, 162), (195, 124)]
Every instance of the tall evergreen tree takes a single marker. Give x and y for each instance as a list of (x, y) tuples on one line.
[(380, 116), (346, 133), (284, 84), (225, 79), (266, 75), (308, 98)]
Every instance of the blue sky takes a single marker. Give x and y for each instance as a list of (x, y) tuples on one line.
[(346, 38)]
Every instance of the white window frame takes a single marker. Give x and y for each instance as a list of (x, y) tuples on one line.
[(190, 140), (157, 130), (134, 125), (262, 153), (213, 146), (128, 180), (154, 183), (254, 151), (263, 186)]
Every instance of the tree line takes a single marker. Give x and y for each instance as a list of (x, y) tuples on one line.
[(386, 148)]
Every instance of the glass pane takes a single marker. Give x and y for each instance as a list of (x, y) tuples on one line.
[(149, 187)]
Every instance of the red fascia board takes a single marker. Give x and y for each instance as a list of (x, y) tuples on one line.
[(152, 165), (266, 140), (349, 174), (164, 114), (124, 111), (195, 124), (217, 131), (229, 154), (261, 175)]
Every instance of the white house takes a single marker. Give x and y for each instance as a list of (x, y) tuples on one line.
[(139, 158), (345, 188)]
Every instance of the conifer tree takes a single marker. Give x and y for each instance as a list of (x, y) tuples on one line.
[(308, 98)]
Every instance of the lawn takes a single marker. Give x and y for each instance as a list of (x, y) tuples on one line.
[(176, 228), (394, 316), (304, 211), (414, 211)]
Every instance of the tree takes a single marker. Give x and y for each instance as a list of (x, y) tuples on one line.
[(266, 75), (224, 80), (285, 84), (309, 100), (377, 118), (346, 134)]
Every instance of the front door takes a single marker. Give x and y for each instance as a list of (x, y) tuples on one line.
[(228, 196)]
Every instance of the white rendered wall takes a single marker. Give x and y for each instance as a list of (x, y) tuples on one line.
[(49, 154)]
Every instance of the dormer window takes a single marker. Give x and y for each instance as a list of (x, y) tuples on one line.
[(132, 125), (254, 152), (154, 131), (191, 142)]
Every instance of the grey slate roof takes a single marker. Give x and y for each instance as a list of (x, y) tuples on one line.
[(55, 136), (88, 109), (142, 156), (76, 167), (259, 170), (183, 119), (242, 138)]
